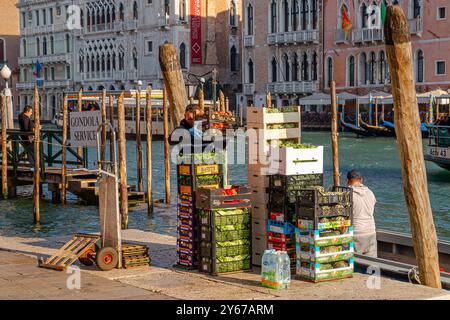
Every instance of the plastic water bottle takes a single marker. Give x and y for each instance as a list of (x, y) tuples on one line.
[(285, 269)]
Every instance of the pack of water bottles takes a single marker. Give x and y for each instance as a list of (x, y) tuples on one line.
[(276, 270)]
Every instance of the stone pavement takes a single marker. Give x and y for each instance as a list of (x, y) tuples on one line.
[(162, 281)]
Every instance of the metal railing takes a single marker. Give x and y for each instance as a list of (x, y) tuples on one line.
[(249, 89), (302, 36), (367, 35), (341, 36), (249, 41), (292, 87)]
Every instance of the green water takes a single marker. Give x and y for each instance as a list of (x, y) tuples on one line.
[(377, 159)]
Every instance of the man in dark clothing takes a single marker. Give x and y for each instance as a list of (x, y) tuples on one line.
[(187, 125), (26, 125)]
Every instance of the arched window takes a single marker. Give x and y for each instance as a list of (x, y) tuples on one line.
[(251, 78), (304, 14), (67, 43), (351, 71), (182, 10), (121, 12), (121, 59), (234, 59), (81, 63), (329, 70), (24, 47), (286, 68), (103, 63), (382, 67), (82, 18), (135, 59), (416, 8), (52, 45), (38, 47), (295, 14), (233, 13), (314, 13), (305, 67), (98, 63), (273, 16), (372, 70), (363, 69), (274, 69), (295, 67), (286, 15), (183, 56), (135, 10), (249, 20), (420, 66), (114, 61), (314, 66), (44, 46), (363, 16)]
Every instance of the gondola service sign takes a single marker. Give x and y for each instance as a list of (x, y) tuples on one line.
[(83, 128), (196, 32)]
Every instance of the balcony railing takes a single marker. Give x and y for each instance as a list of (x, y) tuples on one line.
[(292, 87), (367, 35), (53, 58), (30, 31), (25, 85), (342, 36), (47, 84), (131, 25), (303, 36), (249, 89), (118, 26), (249, 41), (416, 26)]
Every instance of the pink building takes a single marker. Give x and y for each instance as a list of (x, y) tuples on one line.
[(356, 59)]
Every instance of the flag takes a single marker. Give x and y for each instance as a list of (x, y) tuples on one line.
[(36, 69), (33, 66), (383, 11), (346, 22)]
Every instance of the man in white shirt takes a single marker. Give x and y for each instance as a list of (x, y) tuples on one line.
[(365, 236)]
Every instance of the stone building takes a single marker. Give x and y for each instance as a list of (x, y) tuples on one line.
[(113, 44), (283, 50)]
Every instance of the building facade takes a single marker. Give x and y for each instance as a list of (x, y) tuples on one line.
[(113, 44), (9, 42), (283, 51), (357, 60)]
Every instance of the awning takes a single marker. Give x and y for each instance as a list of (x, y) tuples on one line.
[(382, 97), (318, 99)]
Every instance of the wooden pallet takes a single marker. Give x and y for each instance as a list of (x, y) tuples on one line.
[(70, 252)]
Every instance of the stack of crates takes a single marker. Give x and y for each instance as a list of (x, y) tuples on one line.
[(193, 174), (324, 234), (225, 229), (283, 192), (265, 123)]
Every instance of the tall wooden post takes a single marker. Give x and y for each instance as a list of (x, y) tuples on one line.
[(138, 141), (37, 157), (166, 146), (64, 151), (104, 131), (227, 104), (4, 149), (221, 101), (201, 99), (268, 100), (241, 115), (149, 123), (334, 135), (123, 162), (111, 133), (407, 127), (79, 109), (174, 81), (376, 111)]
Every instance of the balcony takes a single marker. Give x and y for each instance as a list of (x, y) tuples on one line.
[(97, 76), (164, 22), (249, 41), (367, 35), (303, 36), (132, 75), (341, 36), (118, 26), (416, 26), (249, 89), (54, 58), (297, 87), (131, 25), (25, 85), (31, 31), (56, 84)]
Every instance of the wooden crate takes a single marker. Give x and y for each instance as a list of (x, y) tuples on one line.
[(261, 116), (260, 210), (259, 195), (259, 227), (290, 161), (259, 245), (255, 179)]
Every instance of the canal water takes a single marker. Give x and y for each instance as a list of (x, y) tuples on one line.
[(376, 158)]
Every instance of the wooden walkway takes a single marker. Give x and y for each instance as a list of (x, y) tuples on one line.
[(80, 182)]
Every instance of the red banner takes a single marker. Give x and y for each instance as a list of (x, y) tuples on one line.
[(196, 32)]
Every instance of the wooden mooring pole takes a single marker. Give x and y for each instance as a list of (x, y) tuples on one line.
[(166, 146), (4, 149), (149, 120), (221, 101), (334, 135), (79, 109), (201, 99), (37, 158), (268, 100), (138, 141), (111, 133), (104, 132), (64, 151), (123, 162), (409, 139)]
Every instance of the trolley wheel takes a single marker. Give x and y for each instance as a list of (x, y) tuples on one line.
[(88, 258), (107, 258)]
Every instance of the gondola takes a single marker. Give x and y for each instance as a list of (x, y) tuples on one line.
[(355, 129), (423, 129), (378, 131)]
